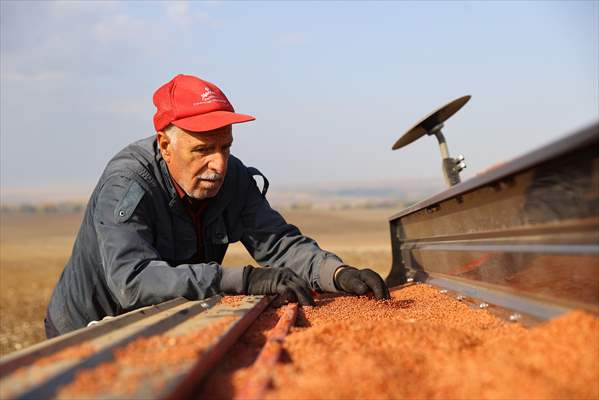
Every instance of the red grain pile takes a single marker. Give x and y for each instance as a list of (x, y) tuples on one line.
[(420, 344)]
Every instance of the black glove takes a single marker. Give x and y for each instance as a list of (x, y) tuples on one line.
[(361, 281), (281, 281)]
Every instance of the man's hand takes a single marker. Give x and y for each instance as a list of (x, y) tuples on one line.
[(361, 281), (281, 281)]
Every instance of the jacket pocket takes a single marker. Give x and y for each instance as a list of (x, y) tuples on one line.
[(127, 205)]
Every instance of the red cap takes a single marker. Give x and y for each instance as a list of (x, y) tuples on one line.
[(195, 105)]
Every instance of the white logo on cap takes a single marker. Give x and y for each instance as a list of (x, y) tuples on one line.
[(209, 96)]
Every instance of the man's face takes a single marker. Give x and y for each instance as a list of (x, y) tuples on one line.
[(197, 161)]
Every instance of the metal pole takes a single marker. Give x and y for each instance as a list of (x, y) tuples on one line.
[(451, 171)]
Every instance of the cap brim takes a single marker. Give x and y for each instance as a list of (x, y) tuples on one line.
[(211, 121)]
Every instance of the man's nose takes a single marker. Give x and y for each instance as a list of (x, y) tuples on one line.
[(218, 162)]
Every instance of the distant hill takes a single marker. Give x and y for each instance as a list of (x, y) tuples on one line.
[(45, 194), (396, 194), (355, 194)]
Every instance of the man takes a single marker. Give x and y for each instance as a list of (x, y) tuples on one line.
[(159, 221)]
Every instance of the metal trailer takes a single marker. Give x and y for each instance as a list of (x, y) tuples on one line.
[(523, 237)]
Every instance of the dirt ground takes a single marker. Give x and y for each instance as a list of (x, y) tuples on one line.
[(35, 247)]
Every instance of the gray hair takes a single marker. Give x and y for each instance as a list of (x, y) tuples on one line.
[(172, 132)]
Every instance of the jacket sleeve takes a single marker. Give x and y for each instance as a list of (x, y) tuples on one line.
[(135, 272), (272, 241)]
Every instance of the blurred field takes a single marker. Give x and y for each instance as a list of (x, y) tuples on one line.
[(35, 247)]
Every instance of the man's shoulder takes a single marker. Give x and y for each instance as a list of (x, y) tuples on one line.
[(140, 152), (145, 147), (241, 176), (136, 160)]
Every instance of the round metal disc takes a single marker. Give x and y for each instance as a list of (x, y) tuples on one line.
[(430, 121)]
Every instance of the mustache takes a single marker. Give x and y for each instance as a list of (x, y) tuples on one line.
[(210, 176)]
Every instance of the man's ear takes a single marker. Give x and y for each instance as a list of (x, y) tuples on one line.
[(164, 144)]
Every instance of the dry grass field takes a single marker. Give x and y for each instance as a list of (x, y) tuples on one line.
[(35, 247)]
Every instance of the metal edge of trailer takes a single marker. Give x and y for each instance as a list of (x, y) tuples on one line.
[(471, 299), (49, 387), (499, 297), (51, 346), (174, 371), (185, 387)]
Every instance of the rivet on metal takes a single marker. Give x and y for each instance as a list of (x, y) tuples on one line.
[(460, 297), (443, 291), (515, 317), (483, 305)]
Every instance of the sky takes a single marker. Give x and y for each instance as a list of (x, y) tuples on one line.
[(332, 84)]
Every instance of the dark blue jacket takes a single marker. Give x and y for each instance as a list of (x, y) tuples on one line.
[(136, 240)]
